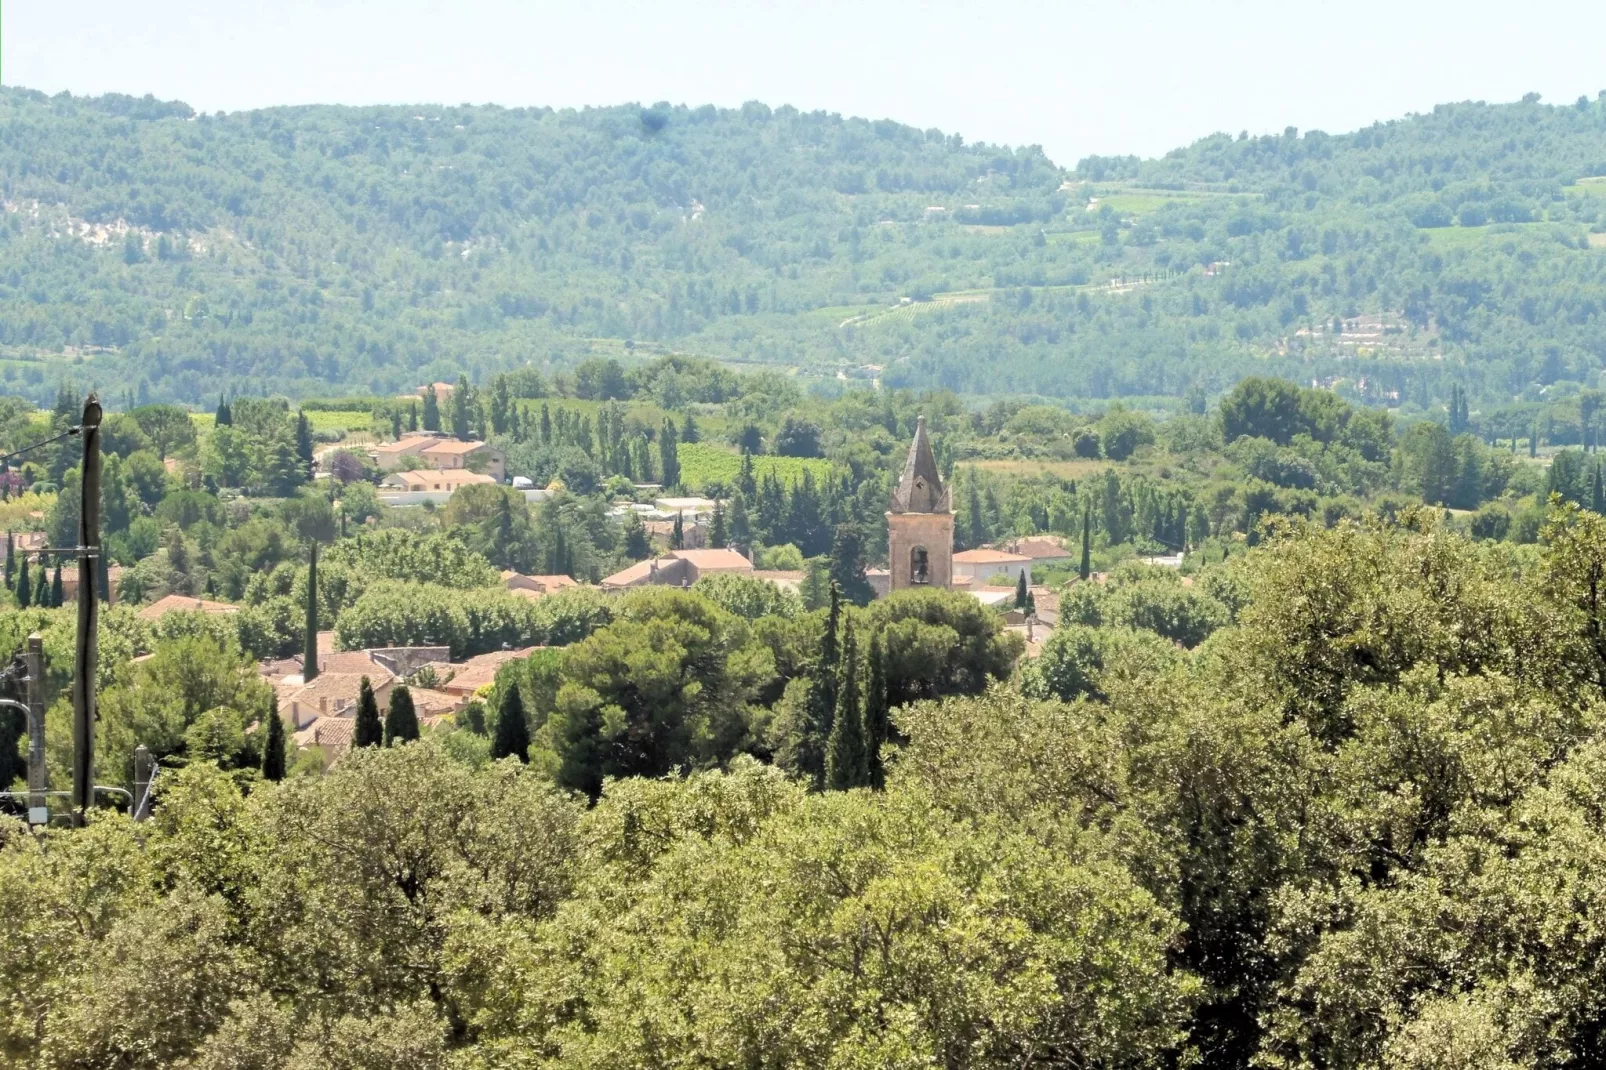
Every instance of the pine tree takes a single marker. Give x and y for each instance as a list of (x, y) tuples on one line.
[(847, 759), (1086, 568), (677, 535), (57, 591), (24, 588), (877, 722), (273, 746), (1021, 592), (309, 638), (512, 731), (368, 731), (401, 720), (716, 531)]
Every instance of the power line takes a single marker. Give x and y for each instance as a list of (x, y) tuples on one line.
[(69, 433)]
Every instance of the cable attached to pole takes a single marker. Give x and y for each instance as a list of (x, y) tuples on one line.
[(71, 432)]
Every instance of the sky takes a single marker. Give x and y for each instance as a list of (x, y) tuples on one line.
[(1111, 78)]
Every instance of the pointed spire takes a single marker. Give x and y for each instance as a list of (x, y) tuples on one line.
[(920, 488)]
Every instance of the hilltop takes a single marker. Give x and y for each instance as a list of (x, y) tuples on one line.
[(304, 250)]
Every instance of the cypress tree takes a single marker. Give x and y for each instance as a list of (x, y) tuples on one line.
[(741, 534), (309, 643), (304, 444), (432, 411), (1021, 593), (401, 720), (716, 534), (677, 536), (412, 417), (24, 588), (847, 758), (669, 455), (1533, 441), (821, 709), (512, 731), (57, 593), (877, 723), (1597, 500), (368, 732), (11, 559), (1086, 568), (41, 587), (273, 746), (225, 415)]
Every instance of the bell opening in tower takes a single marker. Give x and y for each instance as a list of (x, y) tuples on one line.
[(919, 567)]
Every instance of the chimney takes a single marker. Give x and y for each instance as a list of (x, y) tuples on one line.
[(323, 705)]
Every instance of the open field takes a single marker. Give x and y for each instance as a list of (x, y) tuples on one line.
[(1472, 237), (703, 462), (1077, 469)]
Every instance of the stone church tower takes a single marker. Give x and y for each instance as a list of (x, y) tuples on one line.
[(920, 522)]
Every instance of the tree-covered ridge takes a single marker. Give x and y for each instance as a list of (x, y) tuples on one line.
[(369, 249)]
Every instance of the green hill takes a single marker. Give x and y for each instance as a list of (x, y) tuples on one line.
[(309, 250)]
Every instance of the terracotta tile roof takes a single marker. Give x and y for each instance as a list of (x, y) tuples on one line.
[(333, 733), (714, 560), (1040, 548), (437, 478), (476, 672), (452, 446), (434, 703), (352, 661), (338, 687), (175, 603), (406, 444), (628, 576), (989, 557)]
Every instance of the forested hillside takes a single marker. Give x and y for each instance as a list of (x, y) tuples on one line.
[(367, 249)]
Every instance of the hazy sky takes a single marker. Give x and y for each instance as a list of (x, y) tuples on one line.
[(1111, 77)]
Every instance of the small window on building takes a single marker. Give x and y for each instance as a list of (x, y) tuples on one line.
[(919, 566)]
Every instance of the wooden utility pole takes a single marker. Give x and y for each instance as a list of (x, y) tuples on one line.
[(144, 773), (38, 773), (86, 659)]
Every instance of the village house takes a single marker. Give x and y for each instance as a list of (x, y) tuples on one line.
[(178, 603), (535, 586), (461, 680), (1045, 551), (331, 694), (678, 568), (434, 480), (980, 565), (440, 452)]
